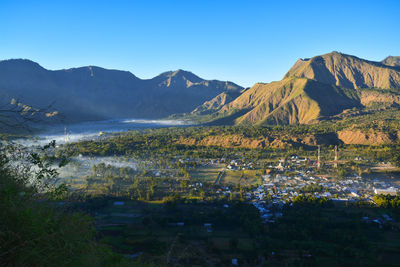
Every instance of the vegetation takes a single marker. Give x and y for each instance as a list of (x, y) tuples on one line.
[(164, 145), (162, 220), (388, 202), (34, 230), (184, 231)]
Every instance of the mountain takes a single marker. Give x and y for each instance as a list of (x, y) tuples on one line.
[(291, 100), (347, 71), (92, 93), (391, 61), (313, 89)]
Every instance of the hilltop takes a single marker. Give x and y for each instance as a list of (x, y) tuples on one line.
[(392, 61), (347, 71)]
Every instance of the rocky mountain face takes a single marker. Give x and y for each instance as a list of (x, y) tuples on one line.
[(347, 71), (92, 93), (313, 89)]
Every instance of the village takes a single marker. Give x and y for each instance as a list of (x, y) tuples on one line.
[(279, 189), (222, 198)]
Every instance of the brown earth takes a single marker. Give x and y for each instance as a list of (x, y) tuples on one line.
[(346, 70), (369, 97), (354, 137), (366, 138), (235, 140)]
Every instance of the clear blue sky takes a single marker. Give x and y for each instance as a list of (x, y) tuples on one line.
[(241, 41)]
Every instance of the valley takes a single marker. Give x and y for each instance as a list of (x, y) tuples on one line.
[(168, 200), (250, 176), (199, 133)]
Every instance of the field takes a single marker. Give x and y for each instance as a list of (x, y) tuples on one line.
[(196, 232), (162, 232), (207, 173)]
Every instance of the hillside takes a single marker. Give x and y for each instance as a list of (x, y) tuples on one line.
[(216, 103), (91, 93), (312, 90), (292, 100)]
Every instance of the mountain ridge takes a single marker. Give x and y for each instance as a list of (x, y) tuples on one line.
[(313, 89), (393, 61), (93, 93), (347, 71)]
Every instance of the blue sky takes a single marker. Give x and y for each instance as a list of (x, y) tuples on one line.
[(241, 41)]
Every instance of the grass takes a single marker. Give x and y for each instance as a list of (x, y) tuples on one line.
[(206, 174), (243, 177)]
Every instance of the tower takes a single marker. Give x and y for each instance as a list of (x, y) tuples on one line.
[(319, 157), (335, 162), (66, 136)]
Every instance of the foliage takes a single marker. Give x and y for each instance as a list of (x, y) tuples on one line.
[(36, 233), (387, 201), (312, 200)]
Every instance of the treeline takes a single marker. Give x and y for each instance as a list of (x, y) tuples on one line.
[(312, 200), (387, 201)]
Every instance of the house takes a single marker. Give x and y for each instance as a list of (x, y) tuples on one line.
[(387, 191), (326, 194), (280, 167)]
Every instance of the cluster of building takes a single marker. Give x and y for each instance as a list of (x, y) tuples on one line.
[(239, 164), (278, 190), (283, 188)]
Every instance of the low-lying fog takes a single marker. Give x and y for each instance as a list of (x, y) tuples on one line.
[(81, 166), (90, 130)]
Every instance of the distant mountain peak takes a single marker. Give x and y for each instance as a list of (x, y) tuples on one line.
[(348, 71), (393, 61), (181, 75), (91, 92), (20, 62)]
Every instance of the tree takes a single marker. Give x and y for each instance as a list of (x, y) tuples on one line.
[(36, 233), (395, 155)]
